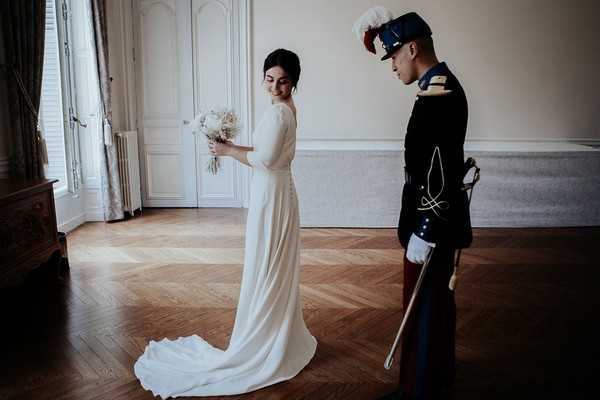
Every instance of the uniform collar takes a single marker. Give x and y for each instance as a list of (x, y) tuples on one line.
[(438, 69)]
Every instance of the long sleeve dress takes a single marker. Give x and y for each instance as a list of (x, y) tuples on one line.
[(270, 342)]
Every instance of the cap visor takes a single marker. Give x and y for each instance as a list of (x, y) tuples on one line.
[(390, 52)]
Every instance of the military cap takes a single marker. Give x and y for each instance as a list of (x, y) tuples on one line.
[(403, 29), (393, 32)]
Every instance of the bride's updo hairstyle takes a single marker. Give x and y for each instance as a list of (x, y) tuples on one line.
[(286, 59)]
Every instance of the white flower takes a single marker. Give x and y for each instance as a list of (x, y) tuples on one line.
[(213, 122), (217, 124), (197, 123)]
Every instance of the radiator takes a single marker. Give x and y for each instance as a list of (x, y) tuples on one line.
[(129, 170)]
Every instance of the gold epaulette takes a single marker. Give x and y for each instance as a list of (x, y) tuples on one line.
[(436, 87)]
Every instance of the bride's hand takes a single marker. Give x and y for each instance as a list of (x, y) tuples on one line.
[(220, 149)]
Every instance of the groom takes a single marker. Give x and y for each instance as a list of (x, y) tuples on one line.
[(434, 219)]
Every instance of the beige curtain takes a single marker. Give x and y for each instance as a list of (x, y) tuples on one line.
[(111, 184), (23, 25)]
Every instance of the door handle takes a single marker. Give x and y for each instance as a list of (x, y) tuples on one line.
[(75, 119)]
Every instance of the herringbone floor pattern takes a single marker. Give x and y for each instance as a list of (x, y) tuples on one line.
[(527, 300)]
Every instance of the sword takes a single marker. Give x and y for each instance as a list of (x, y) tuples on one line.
[(390, 358), (469, 164)]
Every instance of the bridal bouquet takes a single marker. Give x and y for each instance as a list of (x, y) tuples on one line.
[(218, 125)]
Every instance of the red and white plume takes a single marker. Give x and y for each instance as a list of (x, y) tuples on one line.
[(365, 28)]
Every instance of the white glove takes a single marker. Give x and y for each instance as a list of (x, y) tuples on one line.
[(418, 250)]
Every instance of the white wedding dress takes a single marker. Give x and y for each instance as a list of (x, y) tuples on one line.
[(270, 342)]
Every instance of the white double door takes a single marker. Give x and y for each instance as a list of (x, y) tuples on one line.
[(190, 55)]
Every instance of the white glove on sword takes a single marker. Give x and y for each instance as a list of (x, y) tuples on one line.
[(418, 249)]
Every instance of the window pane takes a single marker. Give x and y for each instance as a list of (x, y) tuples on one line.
[(51, 106)]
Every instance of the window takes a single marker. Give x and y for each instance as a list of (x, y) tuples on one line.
[(51, 105)]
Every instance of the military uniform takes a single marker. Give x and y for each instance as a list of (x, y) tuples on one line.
[(435, 209), (434, 206)]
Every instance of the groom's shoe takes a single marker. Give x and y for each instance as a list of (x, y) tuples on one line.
[(395, 396)]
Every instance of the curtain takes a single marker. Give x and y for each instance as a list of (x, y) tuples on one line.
[(112, 195), (23, 25)]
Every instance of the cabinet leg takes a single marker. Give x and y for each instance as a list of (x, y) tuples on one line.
[(59, 265)]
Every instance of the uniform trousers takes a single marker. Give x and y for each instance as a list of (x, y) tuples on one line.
[(427, 362)]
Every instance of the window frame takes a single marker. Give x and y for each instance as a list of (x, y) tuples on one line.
[(69, 100)]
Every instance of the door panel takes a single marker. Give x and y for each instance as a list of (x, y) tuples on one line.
[(213, 32), (191, 55), (165, 98)]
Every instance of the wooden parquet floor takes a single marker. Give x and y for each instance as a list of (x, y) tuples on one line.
[(527, 309)]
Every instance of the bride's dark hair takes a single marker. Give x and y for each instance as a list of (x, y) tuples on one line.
[(286, 59)]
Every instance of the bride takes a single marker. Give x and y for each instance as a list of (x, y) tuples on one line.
[(270, 342)]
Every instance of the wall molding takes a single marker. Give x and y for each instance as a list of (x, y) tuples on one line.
[(246, 77), (519, 145), (542, 188)]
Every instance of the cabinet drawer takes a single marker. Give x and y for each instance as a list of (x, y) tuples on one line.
[(27, 227)]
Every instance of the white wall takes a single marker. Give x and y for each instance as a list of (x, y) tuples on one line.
[(529, 71), (528, 67)]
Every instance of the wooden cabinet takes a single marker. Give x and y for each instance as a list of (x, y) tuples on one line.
[(28, 231)]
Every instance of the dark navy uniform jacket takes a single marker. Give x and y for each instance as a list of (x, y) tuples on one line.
[(434, 206)]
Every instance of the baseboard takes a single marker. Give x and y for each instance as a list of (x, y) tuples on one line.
[(94, 216), (72, 223), (79, 220)]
